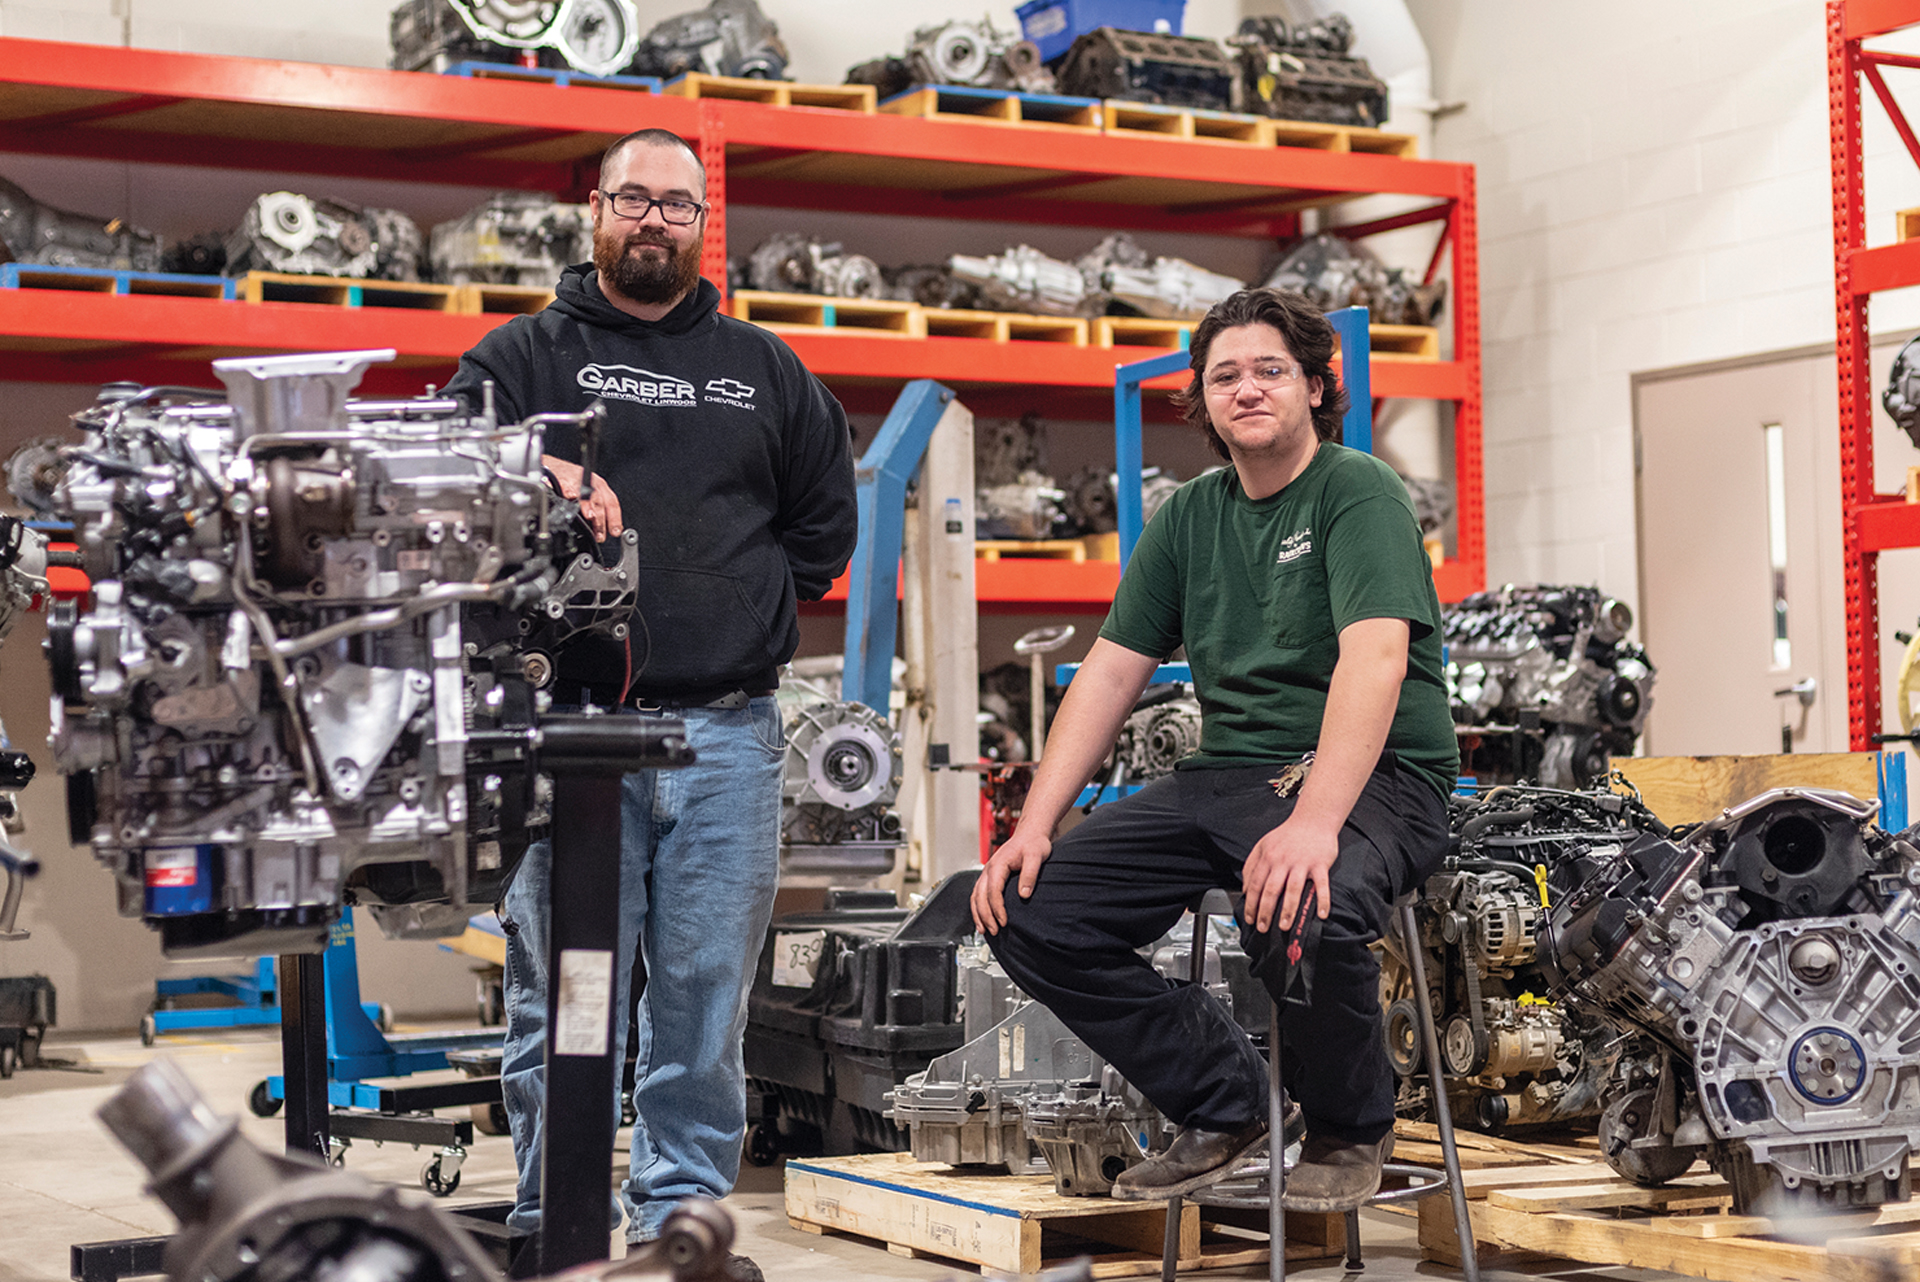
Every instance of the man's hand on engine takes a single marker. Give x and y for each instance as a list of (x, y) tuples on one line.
[(1281, 866), (602, 508), (1023, 854)]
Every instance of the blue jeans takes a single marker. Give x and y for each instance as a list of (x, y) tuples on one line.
[(699, 865)]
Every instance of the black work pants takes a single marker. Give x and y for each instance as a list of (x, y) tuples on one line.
[(1121, 879)]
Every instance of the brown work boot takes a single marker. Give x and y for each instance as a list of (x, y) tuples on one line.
[(1195, 1159), (1335, 1175)]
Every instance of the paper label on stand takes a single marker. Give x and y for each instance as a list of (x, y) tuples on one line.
[(585, 1001), (796, 957)]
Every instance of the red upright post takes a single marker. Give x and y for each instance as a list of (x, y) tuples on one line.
[(1851, 353)]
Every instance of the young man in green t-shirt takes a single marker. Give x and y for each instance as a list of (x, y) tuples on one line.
[(1297, 582)]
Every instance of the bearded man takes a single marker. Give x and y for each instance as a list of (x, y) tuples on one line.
[(734, 466)]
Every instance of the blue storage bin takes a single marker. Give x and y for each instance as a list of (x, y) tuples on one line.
[(1055, 24)]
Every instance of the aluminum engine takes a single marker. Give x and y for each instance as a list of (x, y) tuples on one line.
[(1772, 958), (1513, 1056), (512, 238), (843, 774), (1305, 72), (31, 232), (1023, 1082), (959, 53), (316, 628), (1544, 683), (284, 231), (599, 37), (793, 262)]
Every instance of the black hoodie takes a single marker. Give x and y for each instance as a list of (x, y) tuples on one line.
[(729, 458)]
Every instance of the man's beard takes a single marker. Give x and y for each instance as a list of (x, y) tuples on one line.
[(644, 278)]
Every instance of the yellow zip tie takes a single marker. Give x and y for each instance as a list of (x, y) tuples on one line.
[(1540, 880)]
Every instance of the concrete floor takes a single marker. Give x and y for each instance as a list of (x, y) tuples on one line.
[(63, 1179)]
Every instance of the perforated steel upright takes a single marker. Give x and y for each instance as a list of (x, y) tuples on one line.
[(1871, 523)]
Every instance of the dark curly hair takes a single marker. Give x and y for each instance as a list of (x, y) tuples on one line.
[(1309, 339)]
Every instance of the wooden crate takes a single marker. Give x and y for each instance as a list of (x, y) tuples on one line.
[(1307, 133), (341, 291), (1186, 123), (1045, 549), (110, 281), (1140, 331), (1592, 1215), (1005, 327), (775, 93), (477, 300), (867, 317), (1018, 1224), (996, 106)]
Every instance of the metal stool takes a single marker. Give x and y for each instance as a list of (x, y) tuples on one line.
[(1256, 1188)]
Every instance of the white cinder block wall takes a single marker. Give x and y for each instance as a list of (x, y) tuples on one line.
[(1654, 191)]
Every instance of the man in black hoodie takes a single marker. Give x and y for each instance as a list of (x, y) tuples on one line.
[(734, 465)]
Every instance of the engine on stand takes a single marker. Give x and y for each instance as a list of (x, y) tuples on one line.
[(1544, 683), (309, 671), (1514, 1057), (1770, 960)]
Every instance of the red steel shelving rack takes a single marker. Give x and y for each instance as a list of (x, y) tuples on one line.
[(103, 102), (1871, 523)]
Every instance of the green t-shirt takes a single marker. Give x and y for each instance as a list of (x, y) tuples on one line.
[(1258, 592)]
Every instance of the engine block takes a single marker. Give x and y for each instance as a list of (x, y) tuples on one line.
[(1544, 683), (1771, 960), (317, 626)]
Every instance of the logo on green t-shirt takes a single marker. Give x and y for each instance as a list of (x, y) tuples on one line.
[(1295, 545)]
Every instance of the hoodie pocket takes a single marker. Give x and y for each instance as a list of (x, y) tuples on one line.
[(704, 625)]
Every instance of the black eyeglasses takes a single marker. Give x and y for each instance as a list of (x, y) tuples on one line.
[(628, 204)]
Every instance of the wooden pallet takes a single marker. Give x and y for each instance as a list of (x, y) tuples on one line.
[(1018, 1224), (105, 280), (342, 291), (1102, 547), (775, 93), (1187, 123), (865, 317), (1404, 342), (1307, 133), (1074, 550), (1906, 224), (477, 300), (560, 77), (1141, 331), (996, 106), (1587, 1213), (1005, 327)]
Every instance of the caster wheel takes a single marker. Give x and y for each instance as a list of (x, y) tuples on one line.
[(148, 1030), (435, 1183), (492, 1004), (30, 1049), (9, 1059), (491, 1119), (385, 1022), (260, 1103), (628, 1113), (763, 1145)]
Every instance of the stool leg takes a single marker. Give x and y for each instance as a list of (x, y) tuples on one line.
[(1442, 1114), (1170, 1249), (1354, 1262), (1276, 1153), (1197, 974)]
